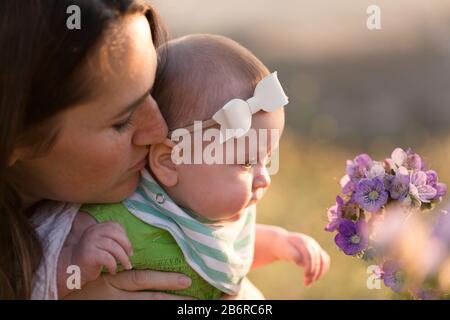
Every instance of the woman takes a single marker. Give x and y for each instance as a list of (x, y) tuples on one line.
[(76, 121)]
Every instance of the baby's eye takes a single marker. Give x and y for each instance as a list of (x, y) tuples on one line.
[(247, 165)]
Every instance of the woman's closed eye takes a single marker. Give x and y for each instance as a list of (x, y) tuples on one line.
[(125, 124)]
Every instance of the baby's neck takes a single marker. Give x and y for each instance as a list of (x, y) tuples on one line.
[(198, 217)]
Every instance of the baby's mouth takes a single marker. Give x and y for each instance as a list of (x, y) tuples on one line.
[(258, 195)]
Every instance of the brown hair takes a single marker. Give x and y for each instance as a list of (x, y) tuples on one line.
[(201, 73), (39, 78)]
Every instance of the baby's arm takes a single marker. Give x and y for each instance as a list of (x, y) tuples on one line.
[(275, 243), (90, 246)]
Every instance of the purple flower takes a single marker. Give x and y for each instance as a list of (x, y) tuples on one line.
[(347, 185), (335, 215), (419, 187), (413, 161), (432, 177), (352, 237), (350, 210), (433, 180), (371, 194), (399, 186), (393, 276), (376, 171), (358, 168), (408, 159)]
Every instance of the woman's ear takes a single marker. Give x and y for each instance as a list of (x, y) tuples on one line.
[(19, 153), (13, 158), (161, 164)]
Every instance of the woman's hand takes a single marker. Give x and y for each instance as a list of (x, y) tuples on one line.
[(128, 285)]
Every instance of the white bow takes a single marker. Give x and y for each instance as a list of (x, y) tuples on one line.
[(235, 118)]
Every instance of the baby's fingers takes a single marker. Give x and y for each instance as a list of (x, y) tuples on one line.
[(117, 233), (309, 267), (322, 263), (316, 263), (114, 249), (325, 263), (123, 241), (107, 260)]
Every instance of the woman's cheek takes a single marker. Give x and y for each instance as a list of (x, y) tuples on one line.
[(103, 166)]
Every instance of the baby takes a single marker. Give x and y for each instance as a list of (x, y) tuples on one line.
[(198, 217)]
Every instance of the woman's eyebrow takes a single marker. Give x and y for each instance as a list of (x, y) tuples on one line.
[(133, 105)]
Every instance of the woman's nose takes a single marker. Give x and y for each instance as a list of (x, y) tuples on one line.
[(151, 128), (261, 178)]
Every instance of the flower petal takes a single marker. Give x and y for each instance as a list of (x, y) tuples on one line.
[(432, 177), (426, 193), (399, 157), (347, 228), (441, 190), (419, 178), (377, 170)]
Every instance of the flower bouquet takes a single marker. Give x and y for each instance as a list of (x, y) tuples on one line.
[(369, 189)]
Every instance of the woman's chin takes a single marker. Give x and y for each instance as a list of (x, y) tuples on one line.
[(126, 188)]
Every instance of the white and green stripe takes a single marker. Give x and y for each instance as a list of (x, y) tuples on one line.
[(221, 254)]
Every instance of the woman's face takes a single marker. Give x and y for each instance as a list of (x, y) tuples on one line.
[(103, 143)]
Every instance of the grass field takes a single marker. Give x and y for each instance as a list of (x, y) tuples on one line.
[(301, 192)]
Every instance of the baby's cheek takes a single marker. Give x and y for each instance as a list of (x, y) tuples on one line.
[(229, 201), (238, 198)]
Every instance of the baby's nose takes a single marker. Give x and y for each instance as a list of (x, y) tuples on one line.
[(261, 179)]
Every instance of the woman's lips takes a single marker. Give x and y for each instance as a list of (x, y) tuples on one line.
[(140, 165)]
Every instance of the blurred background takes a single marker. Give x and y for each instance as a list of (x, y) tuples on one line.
[(351, 90)]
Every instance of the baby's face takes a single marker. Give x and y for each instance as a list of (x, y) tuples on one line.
[(222, 192)]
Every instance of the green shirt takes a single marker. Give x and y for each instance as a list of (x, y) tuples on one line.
[(153, 248)]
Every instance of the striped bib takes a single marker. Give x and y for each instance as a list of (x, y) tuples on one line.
[(221, 254)]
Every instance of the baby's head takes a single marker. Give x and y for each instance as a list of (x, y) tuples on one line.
[(201, 73)]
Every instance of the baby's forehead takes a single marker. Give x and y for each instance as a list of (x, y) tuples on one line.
[(269, 120), (264, 134)]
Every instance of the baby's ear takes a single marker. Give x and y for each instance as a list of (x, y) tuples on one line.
[(161, 164)]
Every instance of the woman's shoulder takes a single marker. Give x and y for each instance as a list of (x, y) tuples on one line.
[(49, 213), (52, 222)]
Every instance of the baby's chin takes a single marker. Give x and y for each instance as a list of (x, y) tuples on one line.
[(226, 217), (230, 214), (236, 216)]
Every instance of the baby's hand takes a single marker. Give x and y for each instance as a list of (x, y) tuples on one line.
[(306, 253), (102, 244)]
